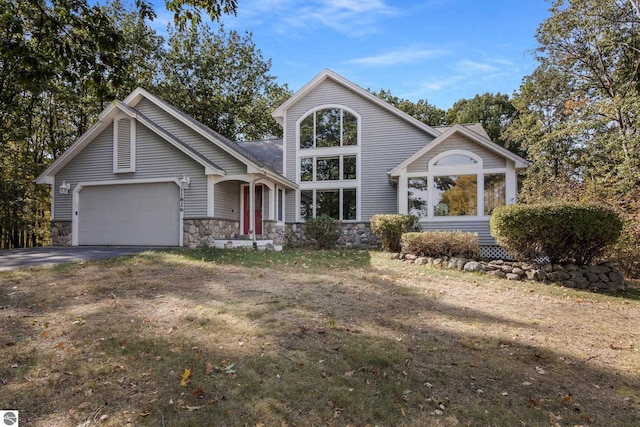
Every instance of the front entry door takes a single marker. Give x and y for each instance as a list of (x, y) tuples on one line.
[(258, 210)]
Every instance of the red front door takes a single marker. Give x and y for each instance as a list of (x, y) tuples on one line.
[(258, 210)]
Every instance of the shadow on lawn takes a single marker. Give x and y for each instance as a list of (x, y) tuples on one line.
[(346, 345)]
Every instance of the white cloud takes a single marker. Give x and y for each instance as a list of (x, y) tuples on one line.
[(473, 67), (401, 56), (350, 17)]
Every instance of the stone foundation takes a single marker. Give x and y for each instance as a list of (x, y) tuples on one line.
[(205, 231), (60, 233), (352, 235)]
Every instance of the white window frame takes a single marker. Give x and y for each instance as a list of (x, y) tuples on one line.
[(456, 170), (339, 151)]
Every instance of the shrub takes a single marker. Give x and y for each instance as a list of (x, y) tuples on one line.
[(323, 230), (390, 227), (441, 243), (561, 231)]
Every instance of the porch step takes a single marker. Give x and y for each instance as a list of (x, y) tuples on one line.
[(232, 244)]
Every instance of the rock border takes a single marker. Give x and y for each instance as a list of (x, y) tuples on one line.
[(603, 276)]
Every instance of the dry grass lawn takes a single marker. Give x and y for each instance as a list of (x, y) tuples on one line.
[(300, 338)]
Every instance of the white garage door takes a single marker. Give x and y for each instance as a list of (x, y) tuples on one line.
[(129, 214)]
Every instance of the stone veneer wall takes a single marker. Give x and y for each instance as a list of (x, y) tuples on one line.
[(352, 235), (199, 232), (203, 232), (60, 233)]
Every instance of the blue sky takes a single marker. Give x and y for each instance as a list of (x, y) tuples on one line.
[(438, 50)]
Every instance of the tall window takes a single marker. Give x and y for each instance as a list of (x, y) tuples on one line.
[(328, 171)]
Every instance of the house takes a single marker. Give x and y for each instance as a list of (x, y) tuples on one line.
[(148, 174)]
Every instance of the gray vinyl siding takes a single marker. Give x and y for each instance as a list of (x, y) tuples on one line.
[(265, 203), (226, 200), (290, 206), (480, 226), (386, 141), (226, 161), (490, 160), (95, 163)]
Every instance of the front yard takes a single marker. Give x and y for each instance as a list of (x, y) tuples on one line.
[(299, 338)]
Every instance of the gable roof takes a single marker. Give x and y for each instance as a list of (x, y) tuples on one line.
[(326, 74), (483, 141), (128, 107)]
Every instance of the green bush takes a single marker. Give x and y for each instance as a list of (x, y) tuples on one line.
[(390, 227), (564, 232), (441, 243), (323, 231)]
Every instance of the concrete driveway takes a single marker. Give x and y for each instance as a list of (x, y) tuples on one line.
[(21, 258)]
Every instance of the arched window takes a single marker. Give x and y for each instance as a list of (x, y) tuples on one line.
[(456, 185), (329, 127), (328, 165)]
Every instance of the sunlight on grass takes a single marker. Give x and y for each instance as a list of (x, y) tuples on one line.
[(309, 338)]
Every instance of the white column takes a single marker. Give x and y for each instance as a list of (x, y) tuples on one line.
[(252, 209), (403, 193)]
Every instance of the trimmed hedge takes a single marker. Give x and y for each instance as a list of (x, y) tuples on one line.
[(441, 243), (390, 227), (563, 232), (323, 230)]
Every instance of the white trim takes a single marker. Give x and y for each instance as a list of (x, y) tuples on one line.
[(81, 185), (284, 146), (211, 188), (313, 110)]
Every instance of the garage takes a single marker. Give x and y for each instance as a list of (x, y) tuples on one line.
[(129, 214)]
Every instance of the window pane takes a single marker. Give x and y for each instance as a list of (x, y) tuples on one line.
[(349, 129), (280, 204), (418, 190), (328, 128), (328, 203), (455, 195), (494, 192), (455, 159), (306, 169), (306, 132), (306, 204), (327, 168), (349, 167), (349, 210)]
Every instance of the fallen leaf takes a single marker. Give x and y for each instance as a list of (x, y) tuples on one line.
[(185, 377), (209, 369), (533, 402), (59, 345), (198, 393)]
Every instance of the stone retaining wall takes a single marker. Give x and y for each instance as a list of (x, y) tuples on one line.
[(352, 235), (60, 233), (601, 276)]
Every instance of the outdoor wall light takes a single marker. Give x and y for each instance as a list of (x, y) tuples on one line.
[(65, 187), (184, 182)]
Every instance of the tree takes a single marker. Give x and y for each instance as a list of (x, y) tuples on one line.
[(222, 80), (494, 111), (421, 110), (578, 111), (61, 61)]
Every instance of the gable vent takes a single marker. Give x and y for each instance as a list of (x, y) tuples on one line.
[(124, 145)]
